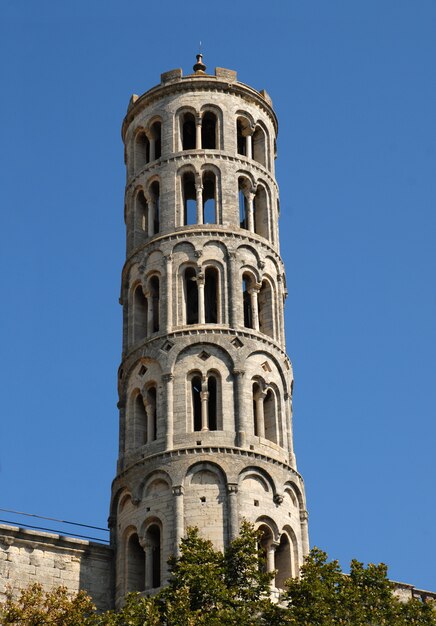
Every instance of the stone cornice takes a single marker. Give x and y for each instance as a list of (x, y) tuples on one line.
[(194, 84)]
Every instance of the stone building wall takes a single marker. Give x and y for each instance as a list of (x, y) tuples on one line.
[(29, 556)]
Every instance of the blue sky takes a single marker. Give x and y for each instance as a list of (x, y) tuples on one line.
[(353, 86)]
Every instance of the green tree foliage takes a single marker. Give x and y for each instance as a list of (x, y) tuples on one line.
[(209, 588), (36, 607)]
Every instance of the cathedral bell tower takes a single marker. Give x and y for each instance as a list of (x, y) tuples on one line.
[(205, 384)]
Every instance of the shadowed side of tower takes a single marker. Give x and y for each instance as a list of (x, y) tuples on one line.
[(205, 385)]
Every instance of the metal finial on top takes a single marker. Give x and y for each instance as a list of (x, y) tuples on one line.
[(199, 66)]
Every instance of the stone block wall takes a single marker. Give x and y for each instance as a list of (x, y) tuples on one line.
[(29, 556)]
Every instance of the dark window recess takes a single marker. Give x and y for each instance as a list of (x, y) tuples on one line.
[(208, 131), (211, 295), (188, 132), (191, 292), (196, 401), (212, 402)]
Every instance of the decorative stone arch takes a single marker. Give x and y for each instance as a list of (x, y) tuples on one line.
[(188, 189), (141, 149), (267, 303), (297, 493), (153, 194), (206, 501), (157, 475), (123, 500), (153, 282), (261, 211), (152, 533), (122, 491), (219, 127), (252, 252), (185, 121), (215, 299), (278, 364), (134, 560), (266, 478), (211, 192), (138, 309), (286, 557), (244, 130), (261, 144)]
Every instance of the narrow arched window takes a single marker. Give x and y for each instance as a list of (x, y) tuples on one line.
[(153, 552), (189, 199), (188, 132), (270, 417), (265, 542), (155, 193), (155, 133), (209, 198), (283, 562), (211, 295), (256, 428), (154, 292), (241, 140), (196, 402), (260, 208), (140, 310), (142, 150), (191, 296), (266, 309), (243, 222), (141, 217), (135, 564), (208, 131), (259, 146), (212, 402), (246, 299), (139, 422)]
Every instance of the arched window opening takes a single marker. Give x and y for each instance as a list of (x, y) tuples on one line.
[(156, 132), (211, 295), (139, 422), (155, 193), (189, 199), (135, 563), (266, 564), (212, 402), (196, 401), (188, 132), (259, 146), (241, 140), (260, 208), (140, 309), (283, 563), (269, 411), (243, 203), (191, 296), (155, 299), (142, 150), (151, 414), (208, 131), (209, 198), (256, 391), (141, 217), (153, 556), (246, 297), (266, 313)]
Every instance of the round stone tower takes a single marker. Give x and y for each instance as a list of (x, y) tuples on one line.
[(205, 385)]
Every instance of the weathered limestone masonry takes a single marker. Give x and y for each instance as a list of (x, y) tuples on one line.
[(205, 385), (28, 556)]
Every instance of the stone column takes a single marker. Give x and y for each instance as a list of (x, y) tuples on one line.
[(152, 148), (270, 559), (179, 526), (235, 309), (168, 394), (281, 305), (304, 517), (150, 410), (250, 212), (200, 287), (148, 549), (233, 510), (240, 413), (288, 412), (198, 133), (249, 146), (204, 396), (260, 416), (169, 293), (254, 306), (199, 199)]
